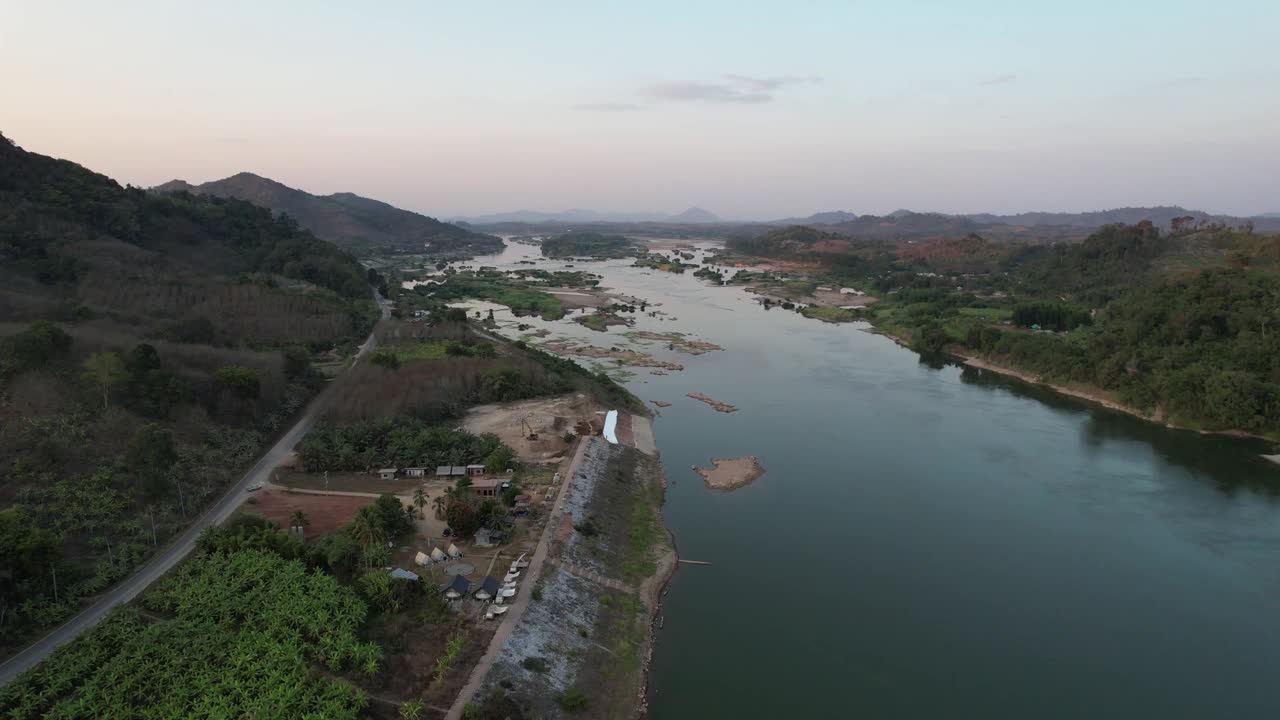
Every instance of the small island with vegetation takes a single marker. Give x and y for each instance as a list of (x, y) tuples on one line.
[(589, 245)]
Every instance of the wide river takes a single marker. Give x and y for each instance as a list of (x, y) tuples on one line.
[(932, 541)]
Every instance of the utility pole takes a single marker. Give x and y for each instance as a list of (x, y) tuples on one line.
[(54, 572), (181, 500)]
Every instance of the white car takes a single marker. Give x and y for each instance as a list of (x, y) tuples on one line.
[(253, 487)]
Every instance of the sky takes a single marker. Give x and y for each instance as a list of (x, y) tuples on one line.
[(753, 110)]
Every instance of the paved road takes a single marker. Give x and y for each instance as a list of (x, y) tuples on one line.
[(177, 550)]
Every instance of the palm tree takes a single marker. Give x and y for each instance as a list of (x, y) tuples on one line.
[(365, 530), (299, 519), (437, 504), (420, 500)]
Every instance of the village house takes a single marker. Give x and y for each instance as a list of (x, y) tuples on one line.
[(387, 473), (402, 574), (486, 488), (489, 538), (457, 587), (475, 470), (488, 589), (415, 472), (451, 471)]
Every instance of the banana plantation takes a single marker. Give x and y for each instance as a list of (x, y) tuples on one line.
[(240, 635)]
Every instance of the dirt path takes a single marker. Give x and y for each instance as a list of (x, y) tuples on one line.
[(513, 615), (338, 493)]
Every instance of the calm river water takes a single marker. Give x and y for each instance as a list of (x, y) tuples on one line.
[(934, 541)]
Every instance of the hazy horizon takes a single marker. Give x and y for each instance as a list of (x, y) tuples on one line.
[(753, 113)]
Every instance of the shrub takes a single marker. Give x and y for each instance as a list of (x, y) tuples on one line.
[(534, 664), (386, 359), (573, 700), (241, 380), (33, 347)]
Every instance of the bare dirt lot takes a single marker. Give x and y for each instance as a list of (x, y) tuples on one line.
[(325, 513), (550, 419)]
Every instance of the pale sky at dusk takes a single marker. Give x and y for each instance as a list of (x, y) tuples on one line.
[(751, 110)]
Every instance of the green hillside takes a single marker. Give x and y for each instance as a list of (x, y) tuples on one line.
[(149, 347)]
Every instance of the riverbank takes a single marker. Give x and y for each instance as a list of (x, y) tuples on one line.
[(585, 640), (1094, 395), (1101, 397)]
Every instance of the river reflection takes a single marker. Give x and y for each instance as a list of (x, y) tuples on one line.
[(932, 540)]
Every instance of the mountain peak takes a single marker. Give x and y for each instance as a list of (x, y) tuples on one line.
[(175, 185), (695, 215), (345, 218)]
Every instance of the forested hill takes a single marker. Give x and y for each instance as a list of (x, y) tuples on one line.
[(149, 346), (1046, 225), (73, 241), (1181, 325), (349, 220)]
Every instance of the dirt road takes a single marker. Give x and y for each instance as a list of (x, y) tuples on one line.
[(512, 618), (163, 562)]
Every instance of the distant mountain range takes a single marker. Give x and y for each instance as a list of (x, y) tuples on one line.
[(347, 219), (582, 215), (908, 222)]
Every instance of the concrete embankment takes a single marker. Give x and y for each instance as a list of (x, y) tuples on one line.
[(587, 628)]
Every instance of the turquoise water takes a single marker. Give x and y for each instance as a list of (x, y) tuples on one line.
[(936, 541)]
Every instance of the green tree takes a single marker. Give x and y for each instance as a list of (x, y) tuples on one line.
[(386, 359), (104, 370), (152, 459), (366, 529), (38, 345), (242, 381), (504, 384), (297, 361), (573, 700), (27, 553), (420, 500), (462, 512), (438, 506), (379, 587), (299, 519), (502, 458)]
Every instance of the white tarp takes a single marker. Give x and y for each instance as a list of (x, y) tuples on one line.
[(454, 552), (610, 427), (422, 559), (437, 555)]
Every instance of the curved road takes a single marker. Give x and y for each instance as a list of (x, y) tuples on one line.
[(162, 563)]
